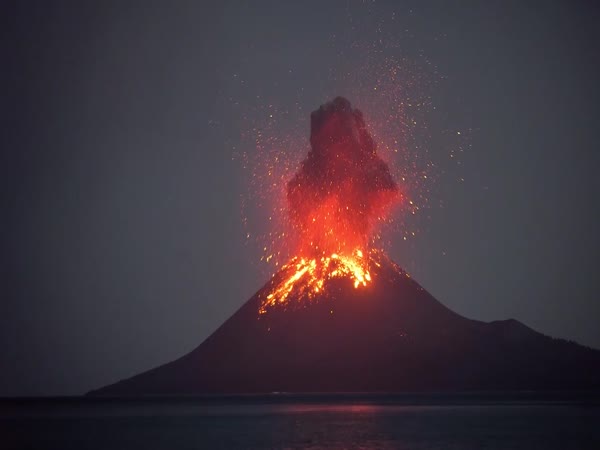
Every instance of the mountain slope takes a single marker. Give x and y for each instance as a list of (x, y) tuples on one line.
[(390, 336)]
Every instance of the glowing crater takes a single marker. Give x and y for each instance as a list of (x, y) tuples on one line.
[(309, 276)]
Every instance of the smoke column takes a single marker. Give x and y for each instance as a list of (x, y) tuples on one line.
[(343, 187)]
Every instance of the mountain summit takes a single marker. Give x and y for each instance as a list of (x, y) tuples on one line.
[(388, 336)]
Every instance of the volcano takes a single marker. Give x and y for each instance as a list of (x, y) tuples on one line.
[(342, 317), (391, 336)]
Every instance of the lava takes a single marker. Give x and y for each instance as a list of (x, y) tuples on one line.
[(342, 190)]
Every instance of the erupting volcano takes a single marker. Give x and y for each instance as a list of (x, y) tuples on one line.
[(342, 190), (340, 316)]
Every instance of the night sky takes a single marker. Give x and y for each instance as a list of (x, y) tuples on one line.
[(123, 244)]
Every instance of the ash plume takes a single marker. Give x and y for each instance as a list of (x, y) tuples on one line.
[(342, 187)]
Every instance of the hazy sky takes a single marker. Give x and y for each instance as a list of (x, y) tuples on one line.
[(122, 245)]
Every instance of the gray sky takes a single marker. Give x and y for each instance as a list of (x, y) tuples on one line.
[(122, 245)]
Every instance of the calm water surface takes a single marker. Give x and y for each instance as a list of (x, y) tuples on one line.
[(360, 423)]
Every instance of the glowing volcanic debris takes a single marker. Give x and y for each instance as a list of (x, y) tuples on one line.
[(342, 190)]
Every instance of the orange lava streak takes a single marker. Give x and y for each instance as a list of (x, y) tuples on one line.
[(310, 275)]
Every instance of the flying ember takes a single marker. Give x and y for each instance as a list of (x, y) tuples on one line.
[(335, 200)]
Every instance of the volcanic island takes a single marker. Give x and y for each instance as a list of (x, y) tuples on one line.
[(340, 316)]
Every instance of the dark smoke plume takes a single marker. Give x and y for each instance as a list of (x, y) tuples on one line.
[(343, 186)]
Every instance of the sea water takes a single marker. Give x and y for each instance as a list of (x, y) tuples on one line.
[(309, 422)]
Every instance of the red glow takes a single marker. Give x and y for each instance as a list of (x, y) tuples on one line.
[(340, 193)]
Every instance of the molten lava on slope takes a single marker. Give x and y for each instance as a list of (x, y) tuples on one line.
[(342, 190)]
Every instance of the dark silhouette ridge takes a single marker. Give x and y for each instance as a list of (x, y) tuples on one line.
[(391, 336)]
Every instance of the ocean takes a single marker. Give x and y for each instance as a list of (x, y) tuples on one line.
[(475, 421)]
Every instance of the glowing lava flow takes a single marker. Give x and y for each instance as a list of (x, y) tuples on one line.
[(310, 275)]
